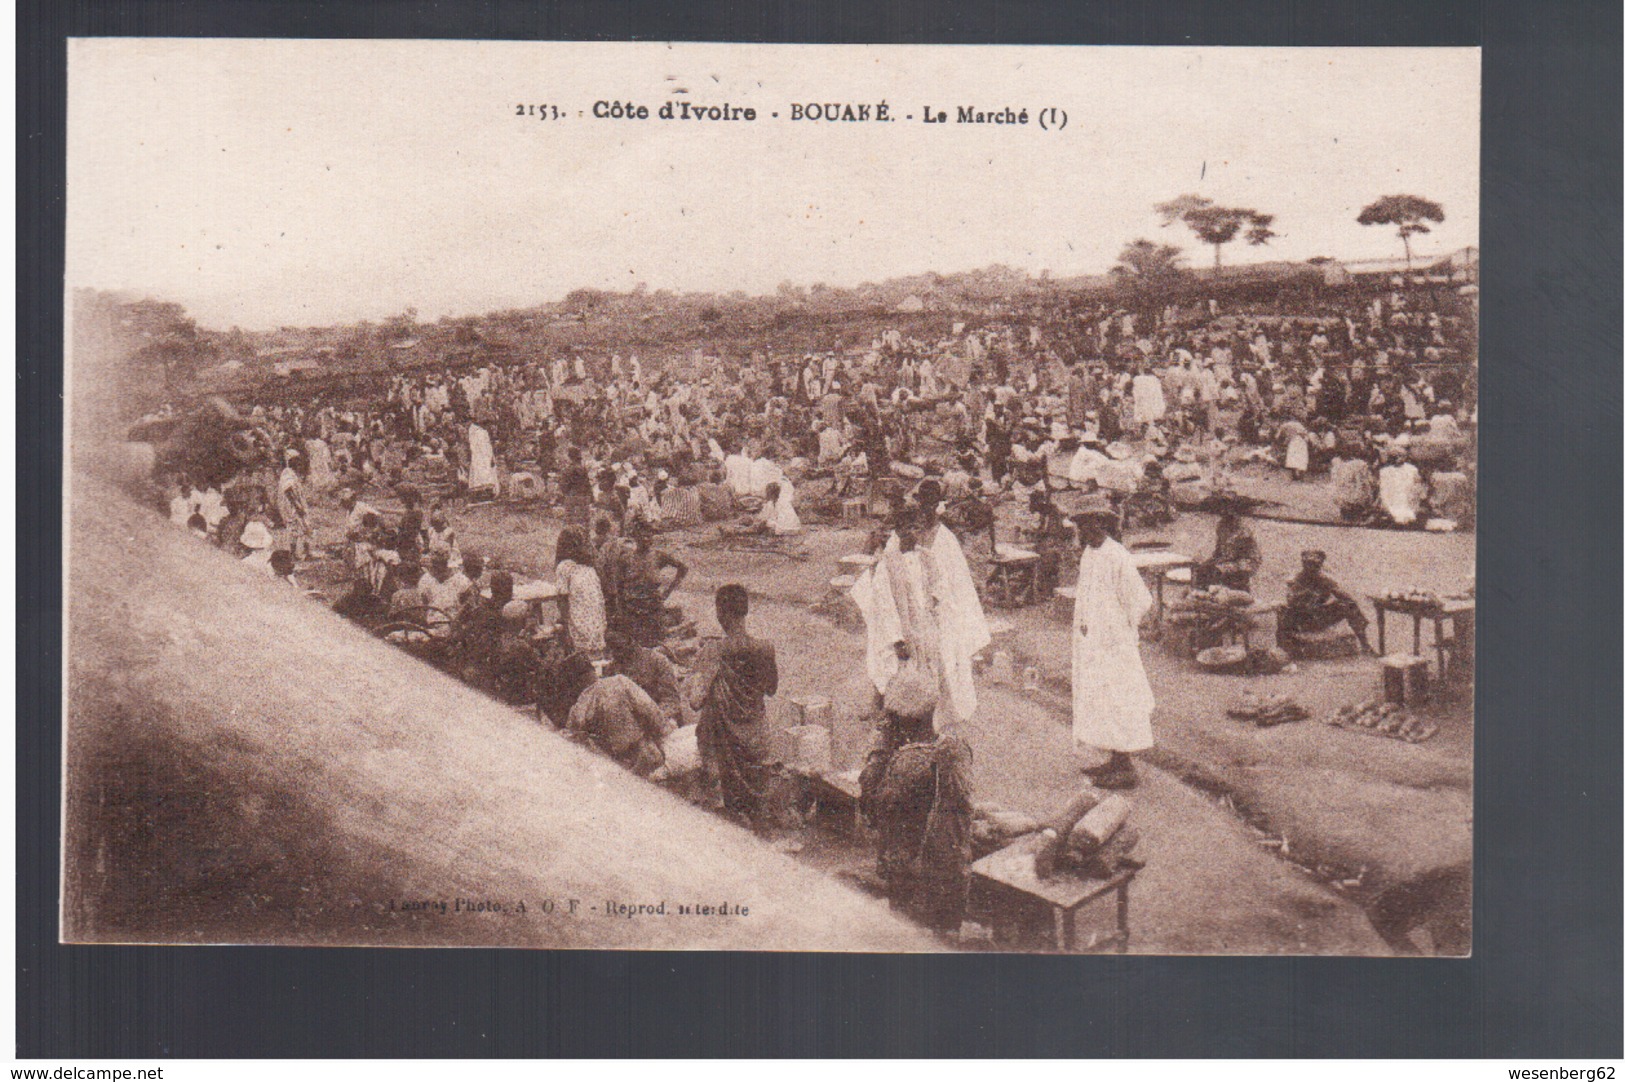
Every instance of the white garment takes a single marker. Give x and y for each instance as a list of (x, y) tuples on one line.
[(780, 516), (1149, 404), (1297, 453), (482, 462), (961, 625), (1111, 697), (736, 471), (212, 506), (320, 457), (446, 596), (764, 472), (1399, 490)]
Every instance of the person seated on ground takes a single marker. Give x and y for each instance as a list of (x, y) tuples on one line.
[(409, 531), (1354, 488), (851, 472), (515, 663), (776, 517), (440, 536), (971, 513), (617, 718), (1314, 602), (474, 571), (642, 505), (405, 598), (956, 480), (564, 674), (198, 525), (1401, 491), (1152, 501), (443, 588), (480, 628), (367, 600), (650, 670), (831, 445), (1236, 557)]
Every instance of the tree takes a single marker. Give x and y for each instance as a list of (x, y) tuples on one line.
[(1410, 213), (1147, 271), (1217, 225), (160, 335), (1143, 263)]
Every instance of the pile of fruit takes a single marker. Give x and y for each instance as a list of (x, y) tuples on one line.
[(1267, 710), (1220, 595), (1383, 719), (1413, 596)]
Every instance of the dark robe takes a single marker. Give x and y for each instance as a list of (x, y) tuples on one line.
[(922, 811), (737, 675)]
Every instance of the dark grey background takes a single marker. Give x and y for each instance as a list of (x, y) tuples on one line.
[(1545, 976)]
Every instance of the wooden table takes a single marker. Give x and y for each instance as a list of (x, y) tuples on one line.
[(1013, 580), (1449, 608), (1064, 892), (837, 792), (1156, 564)]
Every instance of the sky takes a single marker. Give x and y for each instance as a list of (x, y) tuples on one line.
[(263, 183)]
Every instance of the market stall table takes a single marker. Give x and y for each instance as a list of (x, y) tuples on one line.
[(1013, 580), (1453, 609), (1013, 868), (1156, 564)]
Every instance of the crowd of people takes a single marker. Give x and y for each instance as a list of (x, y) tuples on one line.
[(1131, 413)]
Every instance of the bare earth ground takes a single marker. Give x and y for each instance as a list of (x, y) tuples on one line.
[(1255, 840)]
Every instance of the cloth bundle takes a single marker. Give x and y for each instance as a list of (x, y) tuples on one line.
[(1267, 710)]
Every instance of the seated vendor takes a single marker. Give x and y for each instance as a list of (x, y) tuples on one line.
[(1314, 602), (1236, 558), (650, 670), (777, 518), (515, 664), (920, 805), (617, 718)]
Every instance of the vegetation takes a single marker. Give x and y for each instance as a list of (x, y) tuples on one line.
[(1410, 213), (1217, 225)]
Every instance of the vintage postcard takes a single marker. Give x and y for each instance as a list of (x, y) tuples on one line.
[(709, 496)]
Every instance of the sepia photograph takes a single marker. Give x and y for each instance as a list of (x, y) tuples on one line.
[(770, 497)]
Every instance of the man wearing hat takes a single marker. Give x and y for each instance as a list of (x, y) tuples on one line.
[(1314, 602), (921, 593), (1236, 557), (1111, 697)]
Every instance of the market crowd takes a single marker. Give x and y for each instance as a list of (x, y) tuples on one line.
[(1047, 426)]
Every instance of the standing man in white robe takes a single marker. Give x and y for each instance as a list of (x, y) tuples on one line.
[(959, 628), (900, 598), (482, 462), (1111, 697), (1149, 404)]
